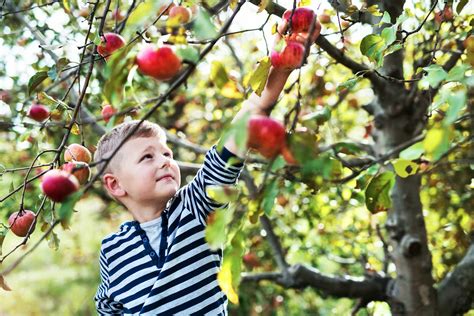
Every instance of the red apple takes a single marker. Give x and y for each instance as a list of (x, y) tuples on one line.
[(107, 112), (20, 222), (78, 169), (180, 13), (301, 20), (77, 152), (110, 42), (159, 63), (58, 184), (251, 260), (38, 112), (266, 135), (290, 58)]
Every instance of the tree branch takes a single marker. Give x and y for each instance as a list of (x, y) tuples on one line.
[(371, 288)]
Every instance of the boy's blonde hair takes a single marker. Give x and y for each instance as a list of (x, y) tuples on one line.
[(109, 141)]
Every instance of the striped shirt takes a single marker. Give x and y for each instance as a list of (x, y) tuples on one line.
[(173, 271)]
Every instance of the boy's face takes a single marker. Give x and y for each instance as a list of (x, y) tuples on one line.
[(146, 173)]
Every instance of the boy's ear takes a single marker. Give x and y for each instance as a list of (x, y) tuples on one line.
[(112, 185)]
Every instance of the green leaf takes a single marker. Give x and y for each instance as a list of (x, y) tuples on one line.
[(188, 53), (53, 241), (435, 74), (314, 119), (456, 101), (461, 6), (278, 163), (238, 130), (67, 207), (413, 152), (219, 74), (36, 80), (457, 73), (215, 229), (3, 233), (303, 146), (372, 46), (377, 194), (116, 71), (392, 49), (349, 84), (389, 34), (269, 196), (203, 27), (259, 77), (385, 18), (347, 148), (404, 168), (222, 193), (401, 18)]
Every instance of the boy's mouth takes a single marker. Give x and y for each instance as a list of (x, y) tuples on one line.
[(165, 177)]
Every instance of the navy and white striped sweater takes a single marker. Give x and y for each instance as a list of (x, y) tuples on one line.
[(177, 272)]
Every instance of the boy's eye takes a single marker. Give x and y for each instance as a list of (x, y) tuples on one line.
[(146, 157)]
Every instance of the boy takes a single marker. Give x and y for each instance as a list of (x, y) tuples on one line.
[(160, 263)]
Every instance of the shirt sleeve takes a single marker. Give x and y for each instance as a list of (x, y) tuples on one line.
[(218, 168), (105, 305)]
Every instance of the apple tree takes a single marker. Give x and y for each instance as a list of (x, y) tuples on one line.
[(356, 198)]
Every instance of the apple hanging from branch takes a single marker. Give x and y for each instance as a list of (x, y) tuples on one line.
[(76, 152), (58, 184), (38, 112), (110, 42), (160, 63), (20, 222)]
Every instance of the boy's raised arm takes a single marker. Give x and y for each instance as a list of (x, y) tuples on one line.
[(263, 104)]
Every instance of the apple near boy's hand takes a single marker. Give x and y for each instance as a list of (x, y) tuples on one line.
[(159, 63)]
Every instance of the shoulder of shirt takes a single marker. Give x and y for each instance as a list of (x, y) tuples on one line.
[(120, 234)]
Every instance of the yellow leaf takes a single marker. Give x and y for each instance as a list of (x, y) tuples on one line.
[(374, 10), (233, 4), (304, 3), (229, 90), (224, 278), (404, 168), (67, 8), (75, 129), (259, 77), (219, 74), (274, 28)]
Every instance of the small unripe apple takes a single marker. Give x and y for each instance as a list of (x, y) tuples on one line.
[(289, 58), (110, 42), (301, 20), (107, 112), (58, 184), (165, 8), (20, 222), (77, 152), (159, 63), (117, 15), (266, 135), (324, 18), (78, 169), (180, 13), (38, 112), (5, 96), (445, 15), (345, 24)]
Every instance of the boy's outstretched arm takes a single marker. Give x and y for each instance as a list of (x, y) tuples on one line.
[(260, 105), (277, 77)]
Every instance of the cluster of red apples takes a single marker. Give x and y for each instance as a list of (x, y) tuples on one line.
[(56, 184), (299, 22)]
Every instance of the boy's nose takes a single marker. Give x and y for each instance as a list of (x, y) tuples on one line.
[(164, 161)]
